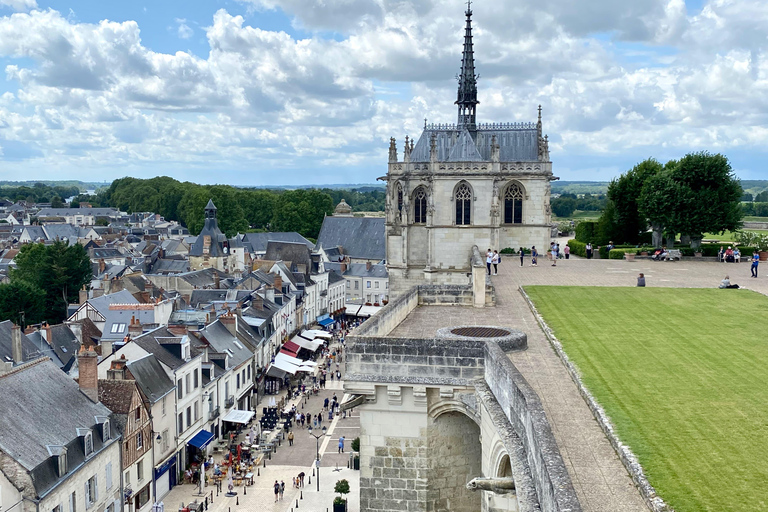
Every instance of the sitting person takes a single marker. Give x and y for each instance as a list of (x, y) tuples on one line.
[(216, 470), (721, 254), (656, 255), (729, 254), (726, 283), (736, 255), (664, 254), (188, 475)]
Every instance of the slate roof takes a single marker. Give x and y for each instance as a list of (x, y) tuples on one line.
[(211, 229), (360, 237), (152, 380), (116, 394), (101, 304), (42, 406), (378, 270), (29, 350), (334, 277), (222, 341), (198, 297), (170, 266), (259, 241), (107, 253), (296, 253), (62, 348), (518, 142), (62, 231), (119, 320), (167, 352), (60, 212)]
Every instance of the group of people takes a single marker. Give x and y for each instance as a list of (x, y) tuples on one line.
[(493, 258), (298, 481), (729, 255)]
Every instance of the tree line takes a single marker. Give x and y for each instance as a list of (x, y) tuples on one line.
[(567, 203), (238, 209), (40, 193), (694, 195)]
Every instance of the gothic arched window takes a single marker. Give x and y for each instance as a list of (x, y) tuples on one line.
[(420, 206), (513, 204), (399, 197), (463, 198)]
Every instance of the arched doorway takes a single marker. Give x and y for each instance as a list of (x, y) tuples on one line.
[(455, 457)]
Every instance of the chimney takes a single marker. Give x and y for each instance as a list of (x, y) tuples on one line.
[(82, 296), (270, 294), (118, 369), (368, 266), (279, 282), (102, 266), (87, 362), (46, 332), (18, 357), (105, 282), (134, 329), (216, 282), (229, 320), (343, 267), (116, 286), (257, 302)]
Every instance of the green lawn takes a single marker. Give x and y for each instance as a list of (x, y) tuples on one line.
[(730, 236), (580, 215), (683, 375)]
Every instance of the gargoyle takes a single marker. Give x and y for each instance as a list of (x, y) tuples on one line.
[(495, 485)]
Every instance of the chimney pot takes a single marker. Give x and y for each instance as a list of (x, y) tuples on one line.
[(18, 356), (87, 361)]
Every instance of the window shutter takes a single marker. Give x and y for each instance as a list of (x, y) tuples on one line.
[(109, 476), (95, 488), (87, 495)]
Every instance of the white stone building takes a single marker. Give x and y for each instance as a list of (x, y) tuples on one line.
[(465, 184)]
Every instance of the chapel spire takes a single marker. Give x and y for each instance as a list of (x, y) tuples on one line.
[(467, 96)]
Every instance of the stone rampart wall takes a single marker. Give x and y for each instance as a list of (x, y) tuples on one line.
[(524, 411), (390, 315), (446, 295)]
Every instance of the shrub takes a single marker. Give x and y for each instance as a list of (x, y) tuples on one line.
[(578, 248), (342, 487), (507, 250), (585, 231), (618, 254), (356, 444)]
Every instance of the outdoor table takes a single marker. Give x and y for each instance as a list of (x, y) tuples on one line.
[(249, 478)]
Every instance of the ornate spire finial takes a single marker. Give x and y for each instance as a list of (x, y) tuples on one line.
[(539, 113), (425, 123), (467, 95)]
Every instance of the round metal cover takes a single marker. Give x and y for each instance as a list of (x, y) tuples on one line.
[(480, 332)]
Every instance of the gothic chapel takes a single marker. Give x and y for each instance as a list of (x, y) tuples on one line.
[(484, 184)]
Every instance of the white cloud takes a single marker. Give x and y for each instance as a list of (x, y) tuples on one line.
[(19, 5), (613, 79), (183, 30)]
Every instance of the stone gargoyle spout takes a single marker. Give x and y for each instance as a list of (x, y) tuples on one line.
[(495, 485)]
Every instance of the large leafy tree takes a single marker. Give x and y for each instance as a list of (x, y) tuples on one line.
[(60, 270), (22, 303), (624, 192)]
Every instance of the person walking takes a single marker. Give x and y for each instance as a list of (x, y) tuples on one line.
[(341, 444), (290, 438), (755, 262), (567, 252), (495, 260), (534, 256), (325, 403), (589, 251), (554, 254), (277, 490), (489, 260), (282, 489), (522, 256)]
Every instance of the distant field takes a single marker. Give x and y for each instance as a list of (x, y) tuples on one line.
[(756, 219), (681, 373), (578, 214), (730, 236)]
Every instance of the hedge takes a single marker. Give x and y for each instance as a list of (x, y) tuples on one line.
[(586, 231), (618, 254), (578, 248)]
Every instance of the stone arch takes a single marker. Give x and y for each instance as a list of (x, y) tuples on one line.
[(513, 202), (463, 198), (444, 406), (454, 457)]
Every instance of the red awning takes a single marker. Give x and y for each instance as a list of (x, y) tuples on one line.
[(286, 351), (293, 347)]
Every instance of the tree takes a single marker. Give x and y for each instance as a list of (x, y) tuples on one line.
[(658, 203), (624, 192), (20, 298), (59, 269), (746, 197), (341, 487), (563, 206), (56, 202), (762, 197)]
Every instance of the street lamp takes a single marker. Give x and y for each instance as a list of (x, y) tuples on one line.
[(159, 440), (317, 460)]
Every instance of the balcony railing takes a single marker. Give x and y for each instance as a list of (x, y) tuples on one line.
[(229, 402), (214, 413)]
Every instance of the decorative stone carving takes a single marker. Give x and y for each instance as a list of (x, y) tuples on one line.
[(407, 152), (392, 150), (420, 395), (494, 485), (394, 395)]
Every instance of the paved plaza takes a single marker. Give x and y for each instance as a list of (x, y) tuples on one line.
[(288, 462), (601, 482)]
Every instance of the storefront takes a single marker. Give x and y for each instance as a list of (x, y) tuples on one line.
[(165, 477), (196, 447)]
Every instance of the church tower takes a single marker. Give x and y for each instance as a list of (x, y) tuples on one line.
[(465, 184)]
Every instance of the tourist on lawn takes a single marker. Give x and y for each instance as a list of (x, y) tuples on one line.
[(755, 262), (489, 260), (726, 283), (522, 255), (567, 252), (495, 261), (641, 280), (534, 256), (589, 251)]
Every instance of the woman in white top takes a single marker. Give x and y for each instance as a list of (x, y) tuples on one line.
[(495, 261), (489, 260)]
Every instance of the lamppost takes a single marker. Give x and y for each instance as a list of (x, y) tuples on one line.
[(159, 440), (317, 460)]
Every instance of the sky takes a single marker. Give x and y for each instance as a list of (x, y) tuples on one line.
[(292, 92)]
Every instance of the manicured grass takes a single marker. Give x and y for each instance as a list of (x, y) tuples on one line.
[(683, 375), (730, 236), (580, 215)]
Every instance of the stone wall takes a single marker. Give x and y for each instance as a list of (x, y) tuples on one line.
[(524, 411), (455, 454), (390, 315)]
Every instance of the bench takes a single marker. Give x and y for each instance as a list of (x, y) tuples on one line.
[(674, 254)]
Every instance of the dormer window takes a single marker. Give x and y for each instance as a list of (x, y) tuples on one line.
[(106, 432), (88, 446), (62, 463), (59, 454)]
